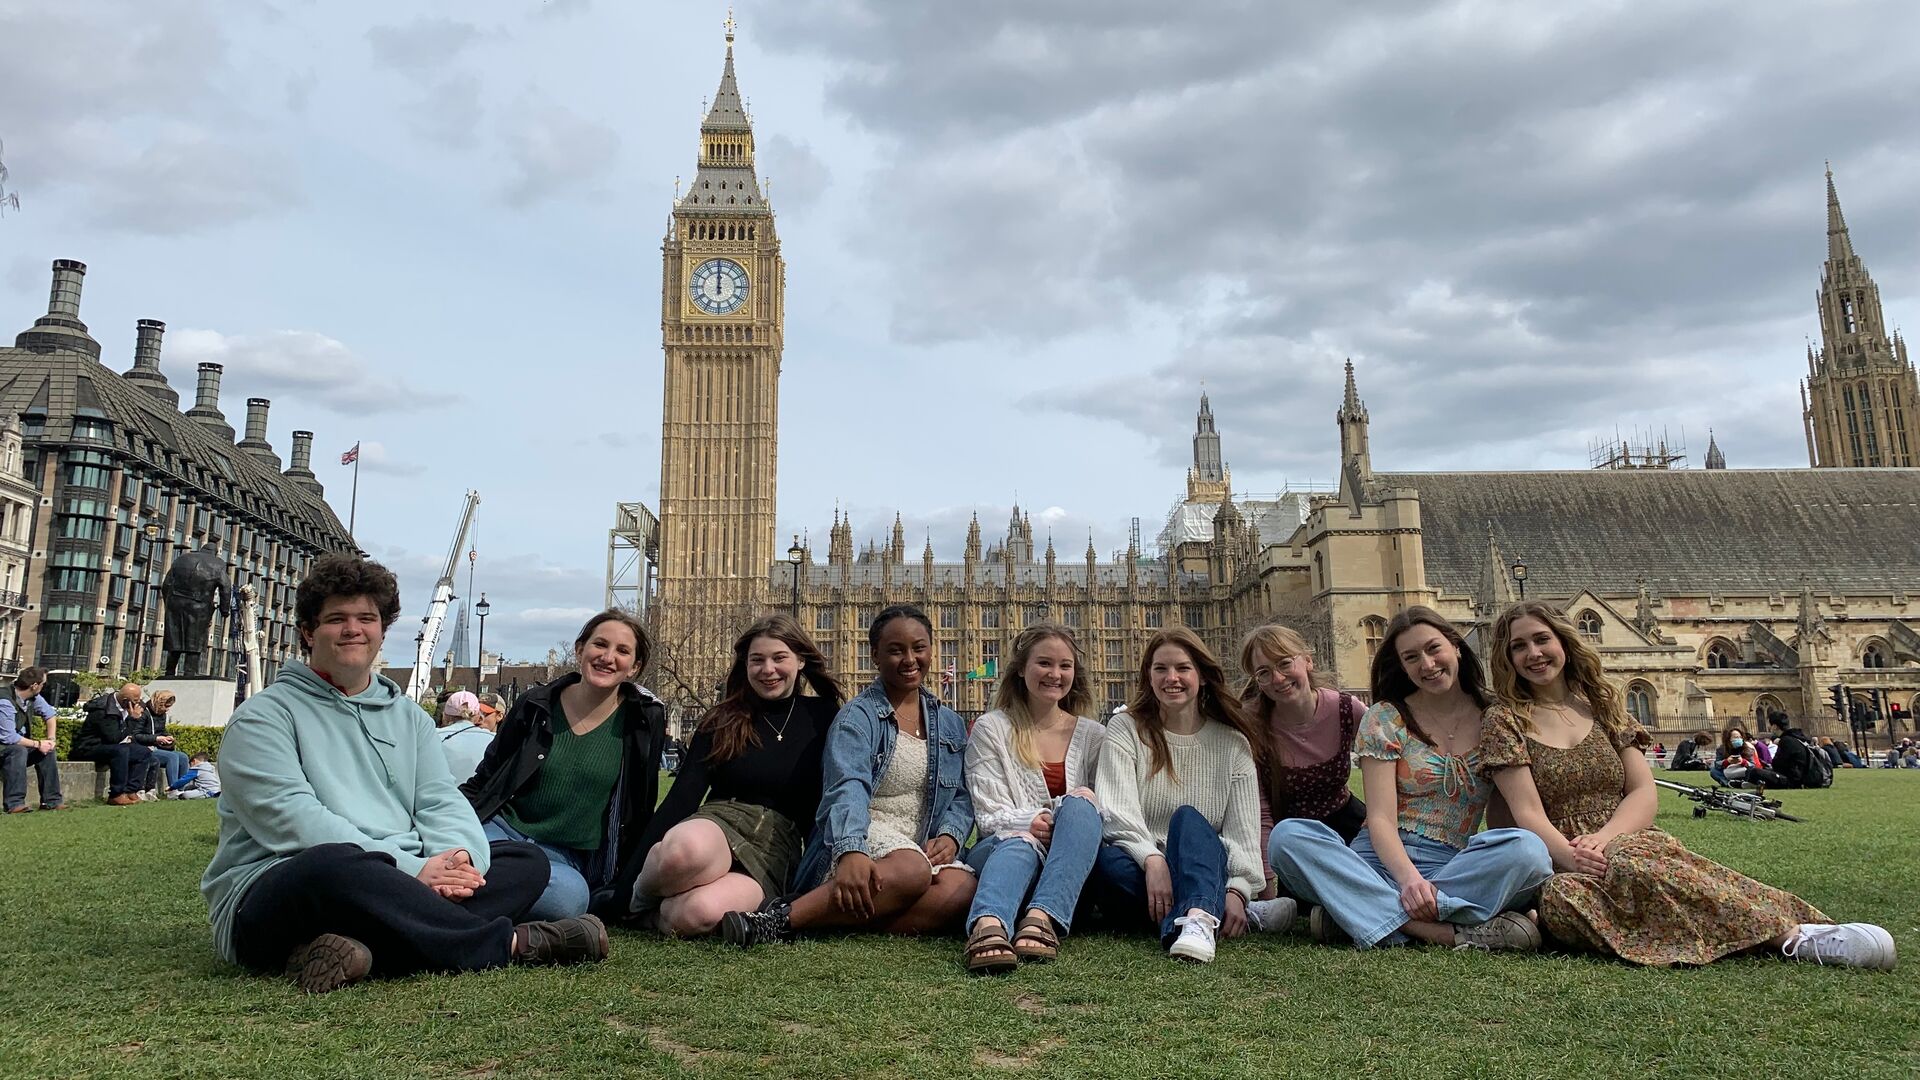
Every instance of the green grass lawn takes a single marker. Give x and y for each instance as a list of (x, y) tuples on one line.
[(106, 969)]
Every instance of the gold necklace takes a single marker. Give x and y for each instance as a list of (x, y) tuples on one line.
[(780, 733)]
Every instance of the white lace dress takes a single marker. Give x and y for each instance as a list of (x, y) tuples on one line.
[(899, 796)]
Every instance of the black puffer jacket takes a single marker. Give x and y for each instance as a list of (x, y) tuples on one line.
[(520, 747), (105, 725)]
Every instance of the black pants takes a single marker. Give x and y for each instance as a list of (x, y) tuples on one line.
[(126, 766), (346, 889)]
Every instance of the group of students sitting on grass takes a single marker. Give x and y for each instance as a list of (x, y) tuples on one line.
[(1195, 813)]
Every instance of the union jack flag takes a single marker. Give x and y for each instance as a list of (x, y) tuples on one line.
[(351, 456)]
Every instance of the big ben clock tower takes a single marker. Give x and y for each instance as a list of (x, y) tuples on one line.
[(721, 320)]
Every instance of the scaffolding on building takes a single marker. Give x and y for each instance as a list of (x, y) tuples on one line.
[(1638, 450), (633, 557)]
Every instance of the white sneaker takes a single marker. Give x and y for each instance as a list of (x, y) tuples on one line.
[(1854, 944), (1195, 942), (1273, 916)]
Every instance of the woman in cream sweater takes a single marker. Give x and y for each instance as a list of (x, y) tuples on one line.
[(1030, 769), (1178, 778)]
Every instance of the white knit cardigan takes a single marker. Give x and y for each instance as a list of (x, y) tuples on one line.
[(1007, 793)]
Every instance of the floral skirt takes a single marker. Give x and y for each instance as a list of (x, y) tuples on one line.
[(1659, 904)]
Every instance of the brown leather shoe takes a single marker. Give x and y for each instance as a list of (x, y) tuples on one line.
[(20, 810), (62, 806), (329, 962), (563, 941), (123, 799)]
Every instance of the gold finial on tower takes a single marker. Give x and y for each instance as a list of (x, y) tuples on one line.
[(730, 25)]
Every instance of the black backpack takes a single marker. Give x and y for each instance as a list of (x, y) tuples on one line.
[(1819, 771)]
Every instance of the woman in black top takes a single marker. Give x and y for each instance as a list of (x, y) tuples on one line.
[(755, 760)]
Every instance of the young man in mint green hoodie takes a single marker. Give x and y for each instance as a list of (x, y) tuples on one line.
[(345, 847)]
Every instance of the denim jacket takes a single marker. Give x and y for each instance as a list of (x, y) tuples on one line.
[(859, 749)]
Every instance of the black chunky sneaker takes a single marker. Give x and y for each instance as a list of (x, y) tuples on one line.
[(773, 922)]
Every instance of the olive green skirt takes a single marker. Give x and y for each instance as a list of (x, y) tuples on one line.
[(765, 844)]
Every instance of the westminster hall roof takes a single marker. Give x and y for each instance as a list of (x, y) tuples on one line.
[(1687, 532)]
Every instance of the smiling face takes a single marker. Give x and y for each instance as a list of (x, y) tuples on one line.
[(1285, 680), (345, 641), (1428, 658), (1048, 674), (1174, 678), (1536, 652), (903, 653), (610, 655), (773, 668)]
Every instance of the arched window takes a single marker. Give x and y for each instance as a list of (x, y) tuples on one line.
[(1640, 703), (1874, 655), (1764, 707), (1319, 570), (1590, 626), (1720, 654), (1374, 629)]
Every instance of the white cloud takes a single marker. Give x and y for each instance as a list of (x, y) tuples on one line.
[(376, 458), (554, 152), (305, 365)]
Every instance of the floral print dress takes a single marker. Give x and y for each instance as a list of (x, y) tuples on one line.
[(1658, 903)]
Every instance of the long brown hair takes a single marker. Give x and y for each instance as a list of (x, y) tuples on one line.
[(1726, 738), (731, 722), (1282, 643), (1391, 683), (1584, 673), (1010, 696), (1216, 702)]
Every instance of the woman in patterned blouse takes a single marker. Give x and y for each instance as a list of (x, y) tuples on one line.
[(1572, 766), (1418, 871)]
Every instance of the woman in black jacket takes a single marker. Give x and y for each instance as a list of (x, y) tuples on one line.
[(575, 769)]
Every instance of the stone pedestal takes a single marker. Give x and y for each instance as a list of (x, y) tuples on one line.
[(201, 702)]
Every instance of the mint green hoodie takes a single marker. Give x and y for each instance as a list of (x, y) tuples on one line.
[(303, 764)]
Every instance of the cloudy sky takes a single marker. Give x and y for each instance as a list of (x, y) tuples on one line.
[(1019, 238)]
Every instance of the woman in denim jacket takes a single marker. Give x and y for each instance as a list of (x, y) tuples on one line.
[(887, 841)]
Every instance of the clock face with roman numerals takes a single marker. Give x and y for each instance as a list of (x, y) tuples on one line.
[(718, 286)]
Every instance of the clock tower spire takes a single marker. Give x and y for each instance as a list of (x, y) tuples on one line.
[(722, 322)]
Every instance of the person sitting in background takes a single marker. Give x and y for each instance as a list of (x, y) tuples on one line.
[(19, 750), (1739, 762), (1694, 755), (1842, 757), (106, 738), (200, 781), (150, 731), (465, 733), (345, 848)]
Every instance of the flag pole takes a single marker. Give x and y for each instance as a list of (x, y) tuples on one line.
[(353, 501)]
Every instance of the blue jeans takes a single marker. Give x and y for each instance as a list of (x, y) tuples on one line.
[(1014, 872), (1498, 870), (1196, 859), (172, 761), (567, 892)]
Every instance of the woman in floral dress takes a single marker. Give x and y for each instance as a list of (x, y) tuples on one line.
[(1572, 767)]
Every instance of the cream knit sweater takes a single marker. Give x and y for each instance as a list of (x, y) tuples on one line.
[(1212, 772)]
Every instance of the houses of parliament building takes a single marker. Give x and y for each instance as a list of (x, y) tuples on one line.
[(1711, 593)]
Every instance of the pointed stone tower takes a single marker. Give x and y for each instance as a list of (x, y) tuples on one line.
[(1861, 402), (722, 322), (1208, 479)]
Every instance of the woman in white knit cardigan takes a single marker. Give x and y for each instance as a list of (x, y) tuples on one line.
[(1030, 769), (1178, 778)]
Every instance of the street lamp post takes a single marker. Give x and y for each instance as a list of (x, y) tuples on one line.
[(794, 555), (1520, 578), (480, 669)]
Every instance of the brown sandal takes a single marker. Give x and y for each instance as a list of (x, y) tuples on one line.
[(990, 953), (1036, 928)]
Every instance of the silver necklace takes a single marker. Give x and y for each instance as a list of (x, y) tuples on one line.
[(780, 733)]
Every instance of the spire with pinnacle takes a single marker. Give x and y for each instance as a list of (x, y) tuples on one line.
[(1356, 461), (726, 182), (1715, 459), (1839, 244)]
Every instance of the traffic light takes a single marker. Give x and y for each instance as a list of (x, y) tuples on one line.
[(1864, 717), (1897, 716), (1837, 697)]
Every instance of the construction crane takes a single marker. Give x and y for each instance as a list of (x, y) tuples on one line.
[(429, 637)]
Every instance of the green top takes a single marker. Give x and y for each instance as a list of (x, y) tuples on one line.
[(567, 805)]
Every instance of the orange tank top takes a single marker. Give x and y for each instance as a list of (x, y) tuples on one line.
[(1056, 774)]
